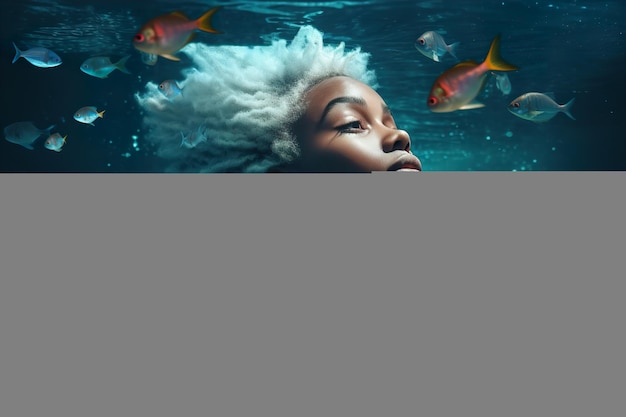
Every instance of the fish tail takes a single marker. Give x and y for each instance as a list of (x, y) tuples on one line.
[(204, 21), (494, 61), (121, 65), (567, 107), (101, 114), (18, 53), (452, 49)]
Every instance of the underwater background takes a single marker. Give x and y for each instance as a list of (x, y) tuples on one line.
[(573, 49)]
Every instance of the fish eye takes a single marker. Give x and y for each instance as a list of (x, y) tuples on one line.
[(421, 41), (516, 104), (432, 101), (161, 86), (139, 37)]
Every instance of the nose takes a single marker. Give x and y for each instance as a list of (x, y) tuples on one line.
[(396, 139)]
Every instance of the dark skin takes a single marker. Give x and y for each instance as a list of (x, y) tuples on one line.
[(347, 127)]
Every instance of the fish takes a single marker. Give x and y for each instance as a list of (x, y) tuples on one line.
[(539, 107), (101, 66), (149, 59), (503, 83), (432, 45), (170, 89), (39, 57), (457, 87), (55, 142), (166, 34), (24, 133), (194, 139), (88, 114)]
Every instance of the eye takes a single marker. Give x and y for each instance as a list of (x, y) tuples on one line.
[(421, 41), (161, 86), (138, 37), (516, 104), (432, 100), (352, 127)]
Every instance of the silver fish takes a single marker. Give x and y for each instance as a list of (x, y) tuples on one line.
[(39, 57), (432, 45), (24, 133), (539, 107), (55, 142), (101, 66), (503, 83), (170, 89), (88, 114), (149, 59)]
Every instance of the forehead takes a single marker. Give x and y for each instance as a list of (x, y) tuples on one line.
[(340, 86)]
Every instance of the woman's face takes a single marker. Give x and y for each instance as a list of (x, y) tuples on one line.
[(347, 127)]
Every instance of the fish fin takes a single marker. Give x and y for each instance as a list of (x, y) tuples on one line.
[(452, 49), (178, 13), (435, 57), (182, 141), (191, 37), (551, 95), (170, 57), (101, 114), (28, 146), (18, 53), (494, 61), (469, 63), (472, 105), (568, 107), (204, 21), (121, 65)]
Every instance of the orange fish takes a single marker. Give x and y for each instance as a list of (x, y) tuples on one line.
[(165, 35), (457, 87)]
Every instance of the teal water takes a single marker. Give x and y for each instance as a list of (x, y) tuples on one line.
[(575, 49)]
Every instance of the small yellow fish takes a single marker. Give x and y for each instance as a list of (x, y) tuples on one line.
[(170, 89), (88, 114), (166, 34), (55, 142), (458, 86)]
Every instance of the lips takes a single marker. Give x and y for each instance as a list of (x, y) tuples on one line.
[(405, 163)]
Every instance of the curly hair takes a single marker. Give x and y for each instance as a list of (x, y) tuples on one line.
[(244, 100)]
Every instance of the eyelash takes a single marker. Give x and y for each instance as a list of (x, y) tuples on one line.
[(351, 127)]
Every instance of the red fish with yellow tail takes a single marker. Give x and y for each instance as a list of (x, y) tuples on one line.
[(457, 87), (166, 34)]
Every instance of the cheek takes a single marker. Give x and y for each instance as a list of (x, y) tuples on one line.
[(358, 153)]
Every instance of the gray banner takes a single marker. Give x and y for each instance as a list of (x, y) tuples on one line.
[(435, 294)]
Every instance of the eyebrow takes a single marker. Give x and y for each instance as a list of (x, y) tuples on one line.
[(348, 99)]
